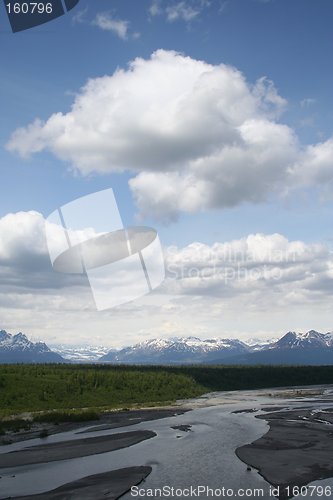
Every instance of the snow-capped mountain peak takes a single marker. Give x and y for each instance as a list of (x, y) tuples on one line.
[(4, 335), (311, 338), (18, 348)]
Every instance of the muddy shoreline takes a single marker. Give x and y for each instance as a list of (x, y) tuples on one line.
[(296, 450), (107, 420), (65, 450), (110, 485)]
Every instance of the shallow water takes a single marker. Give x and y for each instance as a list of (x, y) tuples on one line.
[(203, 456)]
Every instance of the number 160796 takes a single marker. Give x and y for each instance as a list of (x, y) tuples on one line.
[(309, 491), (29, 8)]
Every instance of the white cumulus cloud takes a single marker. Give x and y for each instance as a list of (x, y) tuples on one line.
[(194, 135)]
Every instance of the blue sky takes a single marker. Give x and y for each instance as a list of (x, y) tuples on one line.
[(288, 42)]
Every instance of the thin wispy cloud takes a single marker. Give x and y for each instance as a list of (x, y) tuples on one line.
[(105, 21), (223, 6), (185, 10), (80, 16), (156, 8), (308, 102), (181, 11)]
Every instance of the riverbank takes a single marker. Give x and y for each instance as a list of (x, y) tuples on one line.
[(110, 485), (106, 420), (297, 449), (192, 442)]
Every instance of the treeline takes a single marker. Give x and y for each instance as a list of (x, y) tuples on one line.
[(45, 387)]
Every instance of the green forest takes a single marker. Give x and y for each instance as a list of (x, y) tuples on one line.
[(38, 387)]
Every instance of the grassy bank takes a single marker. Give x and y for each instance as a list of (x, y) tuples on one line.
[(36, 388)]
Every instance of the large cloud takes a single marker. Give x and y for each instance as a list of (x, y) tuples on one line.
[(195, 135), (257, 260), (269, 266), (244, 282)]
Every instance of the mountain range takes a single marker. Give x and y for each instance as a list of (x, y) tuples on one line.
[(177, 351), (294, 348), (310, 348)]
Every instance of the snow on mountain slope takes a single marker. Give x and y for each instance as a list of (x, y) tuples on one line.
[(176, 350), (194, 350), (260, 344), (80, 354), (329, 339), (19, 349), (294, 340)]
